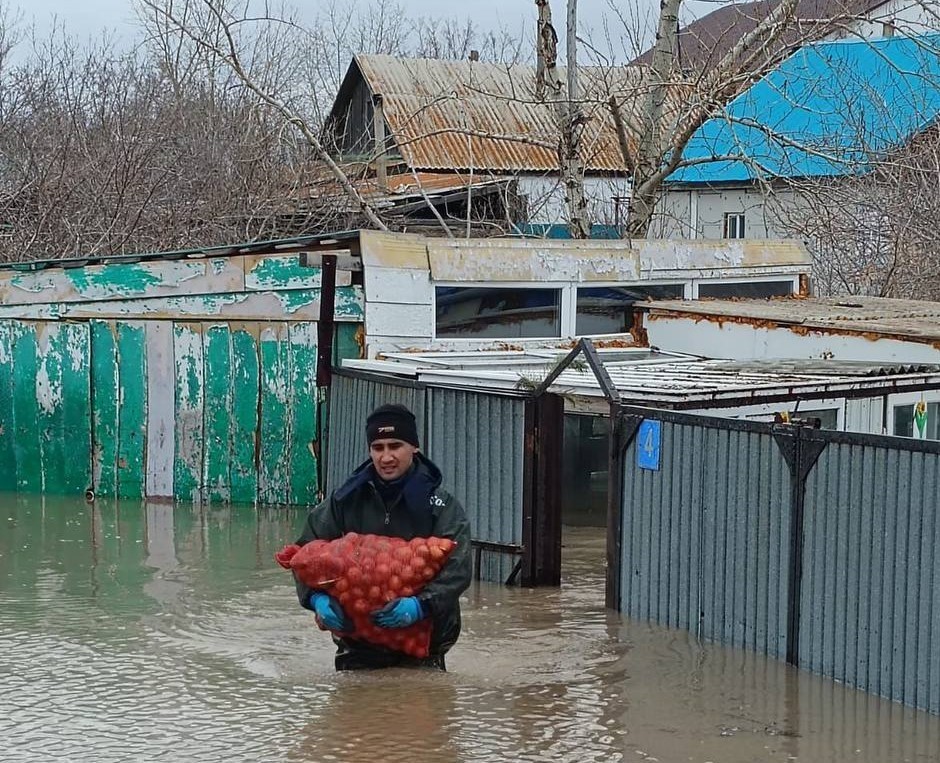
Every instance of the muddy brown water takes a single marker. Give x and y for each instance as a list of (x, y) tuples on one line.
[(134, 632)]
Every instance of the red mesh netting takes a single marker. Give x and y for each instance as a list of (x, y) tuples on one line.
[(365, 572)]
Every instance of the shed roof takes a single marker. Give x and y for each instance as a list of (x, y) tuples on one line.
[(659, 379), (908, 319), (830, 109), (447, 115)]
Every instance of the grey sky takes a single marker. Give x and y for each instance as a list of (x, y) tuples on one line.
[(89, 18)]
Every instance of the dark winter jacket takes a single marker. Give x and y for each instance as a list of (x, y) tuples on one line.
[(421, 509)]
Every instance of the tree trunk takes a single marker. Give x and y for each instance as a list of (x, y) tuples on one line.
[(650, 147), (567, 110)]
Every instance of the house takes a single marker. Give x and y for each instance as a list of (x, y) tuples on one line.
[(829, 112), (482, 123), (704, 41)]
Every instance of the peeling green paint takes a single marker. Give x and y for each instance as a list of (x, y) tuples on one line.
[(105, 382), (126, 280), (244, 469), (132, 396), (189, 403), (282, 273), (73, 416), (274, 463), (303, 369), (7, 426), (26, 411), (217, 413)]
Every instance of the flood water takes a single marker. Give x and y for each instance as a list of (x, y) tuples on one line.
[(134, 632)]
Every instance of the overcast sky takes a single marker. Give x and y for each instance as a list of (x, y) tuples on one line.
[(89, 18)]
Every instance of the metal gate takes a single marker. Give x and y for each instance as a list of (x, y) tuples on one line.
[(813, 546)]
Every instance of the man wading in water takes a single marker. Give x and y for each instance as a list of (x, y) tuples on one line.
[(395, 493)]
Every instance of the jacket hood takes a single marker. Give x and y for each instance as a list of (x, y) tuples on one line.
[(417, 490)]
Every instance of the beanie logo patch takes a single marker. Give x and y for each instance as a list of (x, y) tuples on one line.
[(386, 429)]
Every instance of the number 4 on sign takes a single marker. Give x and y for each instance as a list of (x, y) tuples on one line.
[(648, 438)]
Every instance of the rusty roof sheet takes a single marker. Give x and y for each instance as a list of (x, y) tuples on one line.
[(904, 318), (463, 114)]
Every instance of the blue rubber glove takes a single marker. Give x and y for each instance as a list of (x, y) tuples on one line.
[(329, 612), (400, 613)]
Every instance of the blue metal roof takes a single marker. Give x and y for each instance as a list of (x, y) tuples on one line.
[(826, 110)]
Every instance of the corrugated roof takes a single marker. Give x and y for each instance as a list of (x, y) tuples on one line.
[(829, 109), (645, 377), (461, 114), (907, 318)]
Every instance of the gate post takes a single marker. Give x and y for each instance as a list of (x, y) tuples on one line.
[(801, 455), (623, 428)]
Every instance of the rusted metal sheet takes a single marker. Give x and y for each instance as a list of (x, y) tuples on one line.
[(457, 114), (874, 317)]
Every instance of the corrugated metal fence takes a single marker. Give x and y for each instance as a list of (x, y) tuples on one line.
[(808, 545), (478, 441)]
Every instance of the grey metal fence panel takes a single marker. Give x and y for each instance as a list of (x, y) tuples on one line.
[(478, 441), (352, 398), (705, 537), (870, 609)]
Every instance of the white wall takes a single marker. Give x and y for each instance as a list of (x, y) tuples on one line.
[(546, 198), (896, 17), (700, 213)]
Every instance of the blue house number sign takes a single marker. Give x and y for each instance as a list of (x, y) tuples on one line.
[(648, 441)]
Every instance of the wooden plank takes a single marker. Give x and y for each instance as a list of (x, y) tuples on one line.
[(294, 304), (217, 413), (348, 342), (26, 411), (49, 357), (399, 286), (8, 332), (104, 408), (74, 413), (274, 462), (189, 405), (245, 419), (303, 412), (161, 376), (279, 272), (122, 281), (132, 409)]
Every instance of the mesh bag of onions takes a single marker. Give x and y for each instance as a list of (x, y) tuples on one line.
[(364, 573)]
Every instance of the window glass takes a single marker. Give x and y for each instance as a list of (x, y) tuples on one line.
[(928, 427), (734, 225), (609, 309), (745, 289), (828, 417), (505, 313)]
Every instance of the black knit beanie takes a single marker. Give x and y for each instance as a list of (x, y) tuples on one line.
[(393, 422)]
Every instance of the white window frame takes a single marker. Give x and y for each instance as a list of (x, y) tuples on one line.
[(905, 399), (686, 294), (565, 306), (740, 225), (768, 278)]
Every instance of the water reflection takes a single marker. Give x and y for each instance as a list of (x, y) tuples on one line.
[(134, 632)]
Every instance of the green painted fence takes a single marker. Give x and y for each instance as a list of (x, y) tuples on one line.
[(210, 396)]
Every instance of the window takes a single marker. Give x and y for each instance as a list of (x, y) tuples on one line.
[(734, 225), (609, 309), (621, 211), (745, 289), (917, 420), (493, 312)]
